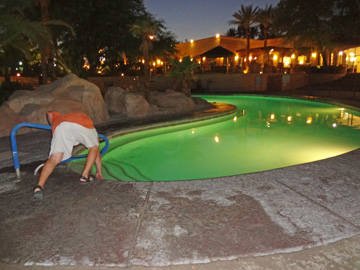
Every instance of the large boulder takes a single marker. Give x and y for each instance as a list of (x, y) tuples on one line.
[(175, 102), (130, 104), (67, 94)]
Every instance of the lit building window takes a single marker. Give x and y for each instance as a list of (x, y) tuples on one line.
[(287, 61), (301, 59)]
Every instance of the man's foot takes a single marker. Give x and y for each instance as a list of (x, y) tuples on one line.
[(87, 180), (38, 193)]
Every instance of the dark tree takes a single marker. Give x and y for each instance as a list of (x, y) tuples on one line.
[(307, 22), (346, 21), (102, 30)]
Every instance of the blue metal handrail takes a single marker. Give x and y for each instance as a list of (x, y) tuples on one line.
[(46, 127)]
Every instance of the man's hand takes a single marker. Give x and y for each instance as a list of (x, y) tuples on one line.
[(99, 176)]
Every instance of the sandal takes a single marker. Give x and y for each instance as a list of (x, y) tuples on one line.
[(38, 195), (88, 180)]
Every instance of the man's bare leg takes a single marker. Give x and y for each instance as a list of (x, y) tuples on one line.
[(90, 160), (48, 168)]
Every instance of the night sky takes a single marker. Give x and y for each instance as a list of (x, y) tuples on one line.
[(196, 19)]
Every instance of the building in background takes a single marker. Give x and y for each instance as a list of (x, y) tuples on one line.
[(221, 54)]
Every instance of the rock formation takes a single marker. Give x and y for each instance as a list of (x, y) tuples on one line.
[(71, 93), (130, 104), (67, 94)]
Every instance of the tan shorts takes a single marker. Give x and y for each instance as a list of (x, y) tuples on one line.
[(67, 135)]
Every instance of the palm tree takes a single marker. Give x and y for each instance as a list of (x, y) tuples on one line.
[(146, 30), (245, 17), (18, 31), (181, 72), (264, 16), (47, 49)]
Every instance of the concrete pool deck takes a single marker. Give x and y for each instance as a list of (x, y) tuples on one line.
[(300, 217)]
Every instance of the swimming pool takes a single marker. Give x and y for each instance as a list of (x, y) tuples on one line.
[(265, 133)]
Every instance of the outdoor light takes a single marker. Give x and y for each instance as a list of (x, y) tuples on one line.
[(191, 41), (204, 58), (293, 56), (289, 118), (158, 61), (217, 35), (272, 116), (217, 139), (341, 53), (301, 60), (151, 37), (236, 57), (313, 55), (180, 60), (286, 61), (309, 120), (334, 125), (20, 63), (275, 57), (235, 118), (250, 58)]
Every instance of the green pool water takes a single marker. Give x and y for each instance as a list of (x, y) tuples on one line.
[(265, 133)]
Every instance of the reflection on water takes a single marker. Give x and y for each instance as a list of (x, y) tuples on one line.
[(265, 133)]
